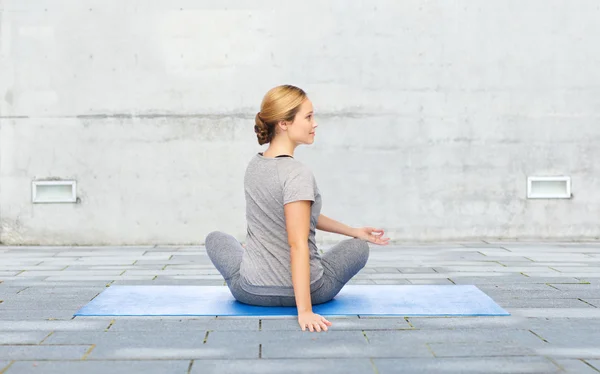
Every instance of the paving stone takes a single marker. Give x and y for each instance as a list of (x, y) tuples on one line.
[(430, 281), (23, 337), (45, 325), (471, 336), (35, 314), (299, 344), (577, 287), (572, 274), (463, 365), (104, 278), (550, 294), (102, 253), (361, 281), (575, 366), (575, 352), (288, 366), (11, 273), (480, 280), (101, 367), (233, 324), (339, 324), (582, 336), (160, 325), (498, 269), (10, 291), (44, 303), (57, 291), (542, 303), (416, 270), (144, 345), (43, 352), (517, 287), (71, 273), (487, 349), (570, 269), (556, 312), (392, 281), (437, 323), (25, 282)]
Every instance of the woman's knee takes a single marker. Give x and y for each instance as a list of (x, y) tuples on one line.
[(212, 240), (361, 248)]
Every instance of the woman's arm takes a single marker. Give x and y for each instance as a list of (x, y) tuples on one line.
[(330, 225), (370, 234), (297, 221)]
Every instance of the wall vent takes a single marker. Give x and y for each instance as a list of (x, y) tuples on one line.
[(54, 192), (549, 188)]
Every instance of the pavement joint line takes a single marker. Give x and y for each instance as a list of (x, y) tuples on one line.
[(365, 335), (506, 249), (555, 363), (375, 370), (550, 267), (109, 325), (189, 370), (525, 275), (95, 296), (580, 299), (430, 349), (123, 272), (549, 285), (539, 336), (481, 253), (2, 371), (164, 267), (87, 353), (21, 272), (154, 277), (260, 351), (501, 264), (64, 268), (451, 280), (260, 325), (206, 337), (47, 336), (584, 361), (408, 321), (528, 258)]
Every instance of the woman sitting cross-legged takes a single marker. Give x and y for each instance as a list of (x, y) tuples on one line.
[(281, 265)]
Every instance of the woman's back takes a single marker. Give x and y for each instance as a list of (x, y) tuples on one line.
[(269, 184)]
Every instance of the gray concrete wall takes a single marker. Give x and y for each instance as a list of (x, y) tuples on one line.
[(432, 114)]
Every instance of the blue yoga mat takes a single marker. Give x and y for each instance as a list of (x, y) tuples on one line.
[(365, 300)]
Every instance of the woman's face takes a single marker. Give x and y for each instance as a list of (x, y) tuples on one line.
[(302, 129)]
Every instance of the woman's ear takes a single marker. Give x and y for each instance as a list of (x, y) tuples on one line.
[(283, 125)]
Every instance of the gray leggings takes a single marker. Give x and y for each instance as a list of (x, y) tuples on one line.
[(340, 264)]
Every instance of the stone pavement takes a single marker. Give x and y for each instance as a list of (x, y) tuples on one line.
[(552, 291)]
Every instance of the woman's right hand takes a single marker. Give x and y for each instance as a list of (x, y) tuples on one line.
[(312, 321)]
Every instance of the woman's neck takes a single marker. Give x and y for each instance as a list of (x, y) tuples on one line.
[(281, 147)]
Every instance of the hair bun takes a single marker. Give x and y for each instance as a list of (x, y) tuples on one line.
[(262, 130)]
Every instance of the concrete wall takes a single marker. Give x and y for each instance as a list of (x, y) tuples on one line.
[(432, 114)]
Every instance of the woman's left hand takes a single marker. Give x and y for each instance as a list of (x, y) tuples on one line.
[(372, 235)]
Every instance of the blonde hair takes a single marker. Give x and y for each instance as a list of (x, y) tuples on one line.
[(281, 103)]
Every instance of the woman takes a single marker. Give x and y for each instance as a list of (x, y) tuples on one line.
[(281, 265)]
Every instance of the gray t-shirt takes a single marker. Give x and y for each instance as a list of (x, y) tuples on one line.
[(269, 184)]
